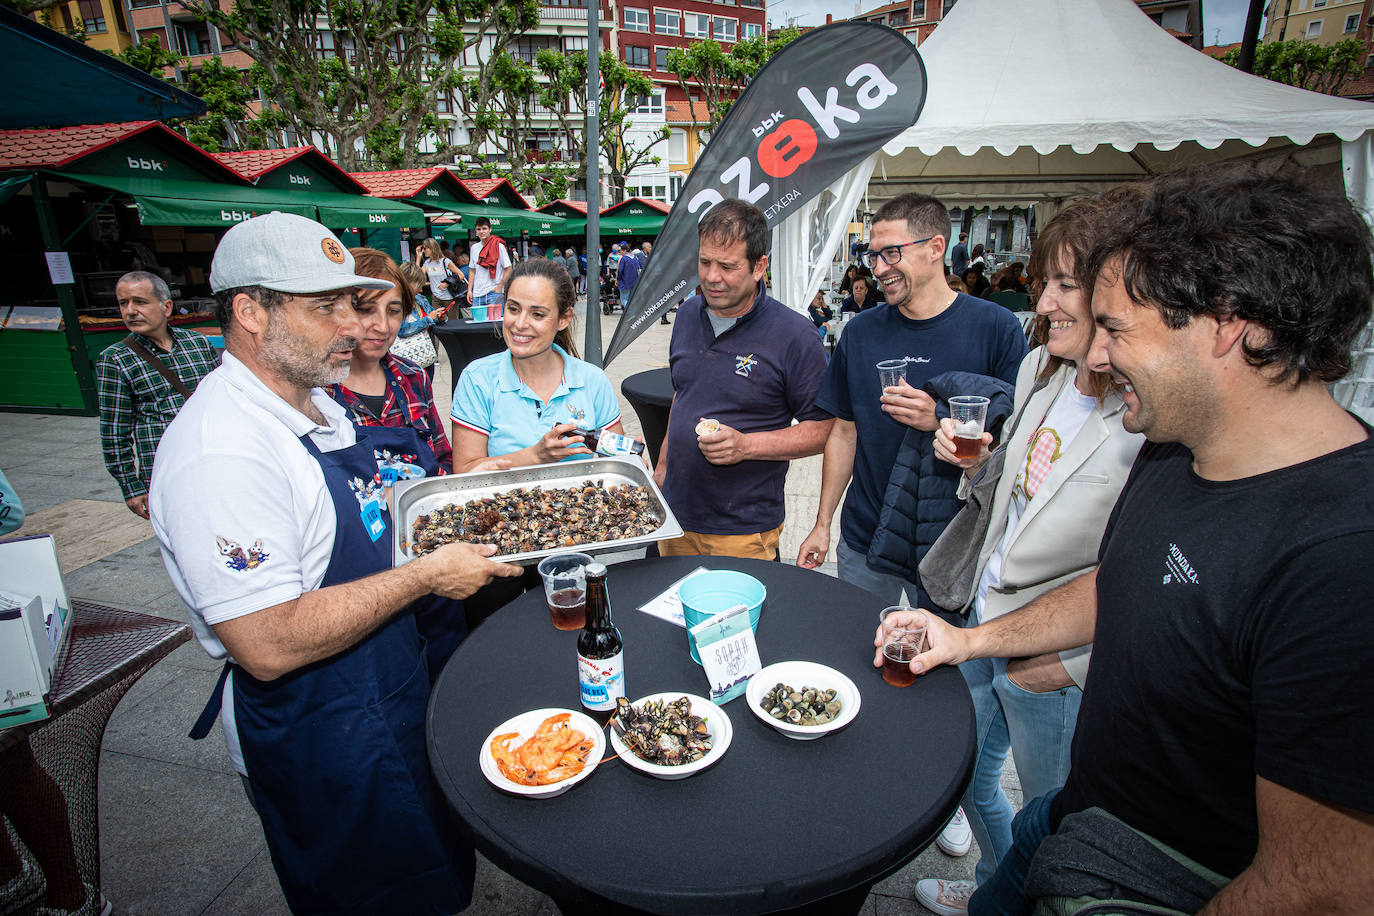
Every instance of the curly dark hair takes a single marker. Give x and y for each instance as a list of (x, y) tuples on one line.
[(1226, 241)]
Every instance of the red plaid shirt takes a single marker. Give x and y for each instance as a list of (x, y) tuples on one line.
[(418, 411)]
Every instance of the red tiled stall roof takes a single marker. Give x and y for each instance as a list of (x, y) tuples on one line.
[(480, 187), (655, 204), (401, 183), (578, 205), (253, 164), (55, 147)]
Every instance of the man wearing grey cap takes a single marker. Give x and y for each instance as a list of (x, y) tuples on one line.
[(275, 530)]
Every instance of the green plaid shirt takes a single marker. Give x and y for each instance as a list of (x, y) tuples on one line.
[(137, 403)]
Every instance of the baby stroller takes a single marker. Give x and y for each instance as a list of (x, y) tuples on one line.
[(610, 296)]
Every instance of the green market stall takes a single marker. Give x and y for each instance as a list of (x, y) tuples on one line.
[(573, 214), (635, 216), (434, 190)]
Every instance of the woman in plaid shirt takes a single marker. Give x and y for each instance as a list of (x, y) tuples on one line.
[(383, 389)]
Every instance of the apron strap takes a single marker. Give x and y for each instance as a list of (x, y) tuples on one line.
[(210, 713)]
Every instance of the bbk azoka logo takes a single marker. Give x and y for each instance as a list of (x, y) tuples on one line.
[(745, 365)]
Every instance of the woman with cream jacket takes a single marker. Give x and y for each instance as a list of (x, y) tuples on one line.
[(1067, 458)]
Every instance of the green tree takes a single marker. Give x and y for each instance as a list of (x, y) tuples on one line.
[(719, 76), (624, 91), (1321, 68), (227, 123), (369, 74)]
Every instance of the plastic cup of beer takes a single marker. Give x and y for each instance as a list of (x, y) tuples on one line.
[(901, 643), (969, 413), (891, 373), (565, 588)]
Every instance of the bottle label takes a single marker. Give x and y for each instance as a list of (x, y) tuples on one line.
[(602, 680), (616, 444)]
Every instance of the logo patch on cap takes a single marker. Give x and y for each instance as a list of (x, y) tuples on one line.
[(332, 250)]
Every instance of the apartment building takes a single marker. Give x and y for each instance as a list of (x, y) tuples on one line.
[(1181, 18), (1322, 21), (105, 22)]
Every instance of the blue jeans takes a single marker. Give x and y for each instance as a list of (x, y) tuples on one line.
[(625, 297), (1004, 894), (1036, 727), (495, 297), (854, 569)]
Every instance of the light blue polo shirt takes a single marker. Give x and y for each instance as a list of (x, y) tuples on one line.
[(491, 399)]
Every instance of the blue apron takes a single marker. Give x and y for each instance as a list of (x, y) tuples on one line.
[(335, 751), (403, 453)]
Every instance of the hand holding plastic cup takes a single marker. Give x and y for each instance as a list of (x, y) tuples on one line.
[(565, 588), (901, 643), (969, 413), (891, 373)]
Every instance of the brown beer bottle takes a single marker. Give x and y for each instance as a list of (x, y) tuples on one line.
[(600, 652)]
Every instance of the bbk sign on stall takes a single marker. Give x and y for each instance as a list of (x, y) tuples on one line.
[(818, 108)]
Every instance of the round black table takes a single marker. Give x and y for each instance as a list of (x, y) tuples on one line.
[(776, 824), (651, 395), (465, 340)]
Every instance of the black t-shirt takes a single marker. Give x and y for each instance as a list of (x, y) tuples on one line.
[(1234, 638)]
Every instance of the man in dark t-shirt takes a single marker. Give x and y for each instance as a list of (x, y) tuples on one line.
[(1227, 713), (744, 367)]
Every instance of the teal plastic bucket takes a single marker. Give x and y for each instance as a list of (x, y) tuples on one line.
[(479, 313), (705, 595)]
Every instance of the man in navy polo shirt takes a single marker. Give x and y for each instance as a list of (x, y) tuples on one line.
[(752, 365), (936, 331)]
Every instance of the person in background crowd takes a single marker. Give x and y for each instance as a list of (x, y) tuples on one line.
[(574, 268), (976, 257), (648, 249), (1017, 271), (860, 297), (751, 364), (489, 260), (420, 318), (958, 256), (383, 389), (847, 280), (143, 380), (438, 268), (286, 570), (1221, 757), (627, 274), (819, 311), (523, 404), (975, 282), (956, 284), (1044, 530)]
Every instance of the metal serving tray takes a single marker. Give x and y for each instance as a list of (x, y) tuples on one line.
[(414, 498)]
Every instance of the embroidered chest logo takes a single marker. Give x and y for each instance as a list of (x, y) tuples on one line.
[(392, 468), (745, 365), (1044, 452), (238, 559), (369, 491), (1178, 569), (577, 414)]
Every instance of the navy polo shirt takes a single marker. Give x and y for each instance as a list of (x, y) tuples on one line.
[(758, 375), (972, 335)]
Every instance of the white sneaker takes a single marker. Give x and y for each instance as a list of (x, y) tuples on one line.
[(947, 898), (957, 837)]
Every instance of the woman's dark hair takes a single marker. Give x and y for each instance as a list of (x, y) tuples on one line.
[(977, 252), (1229, 241), (369, 262), (1065, 247), (564, 295)]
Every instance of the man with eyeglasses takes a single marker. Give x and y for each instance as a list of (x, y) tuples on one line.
[(901, 498)]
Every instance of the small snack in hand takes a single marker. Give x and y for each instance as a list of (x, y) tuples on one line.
[(707, 426)]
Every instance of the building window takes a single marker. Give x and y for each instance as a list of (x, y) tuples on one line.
[(752, 4), (899, 18), (675, 183), (646, 104), (677, 146), (140, 4), (573, 43), (637, 56), (723, 29), (948, 5), (752, 30), (92, 16), (661, 59), (1314, 28), (918, 9), (1318, 4), (668, 22), (525, 49), (636, 20), (696, 25), (1352, 22)]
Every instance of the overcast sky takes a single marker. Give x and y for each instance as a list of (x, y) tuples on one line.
[(1226, 17)]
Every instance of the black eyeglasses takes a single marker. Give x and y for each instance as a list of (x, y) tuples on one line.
[(890, 254)]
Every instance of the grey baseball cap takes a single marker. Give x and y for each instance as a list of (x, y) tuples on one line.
[(286, 253)]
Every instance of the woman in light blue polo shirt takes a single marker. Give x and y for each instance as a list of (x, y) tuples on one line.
[(522, 404)]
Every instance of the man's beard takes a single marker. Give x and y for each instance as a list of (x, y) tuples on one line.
[(287, 356)]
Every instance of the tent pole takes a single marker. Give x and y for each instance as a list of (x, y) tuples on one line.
[(591, 347), (76, 340)]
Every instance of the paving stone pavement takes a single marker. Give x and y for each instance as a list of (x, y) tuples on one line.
[(177, 834)]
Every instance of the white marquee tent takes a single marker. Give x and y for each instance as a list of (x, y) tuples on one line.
[(1041, 101)]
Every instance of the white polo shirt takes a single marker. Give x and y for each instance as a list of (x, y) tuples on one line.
[(239, 506)]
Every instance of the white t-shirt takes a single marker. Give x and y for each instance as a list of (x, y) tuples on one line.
[(1063, 421), (239, 506), (483, 281), (437, 272)]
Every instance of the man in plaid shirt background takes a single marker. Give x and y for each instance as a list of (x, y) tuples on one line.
[(136, 401)]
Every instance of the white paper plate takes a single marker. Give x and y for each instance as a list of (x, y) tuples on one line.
[(800, 675), (717, 725), (525, 725)]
